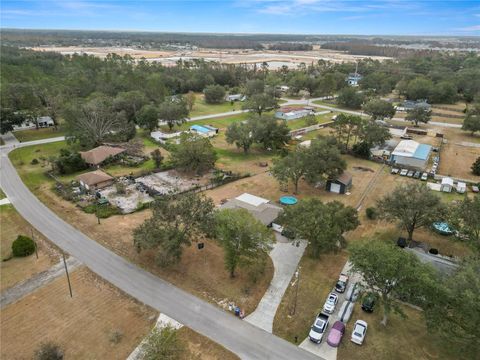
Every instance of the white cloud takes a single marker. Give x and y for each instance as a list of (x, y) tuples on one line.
[(470, 28)]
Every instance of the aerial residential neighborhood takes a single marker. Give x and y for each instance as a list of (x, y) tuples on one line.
[(239, 180)]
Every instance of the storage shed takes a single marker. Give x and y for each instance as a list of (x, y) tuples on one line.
[(411, 154), (447, 184), (340, 185)]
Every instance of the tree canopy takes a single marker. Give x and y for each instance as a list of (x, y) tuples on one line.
[(194, 153)]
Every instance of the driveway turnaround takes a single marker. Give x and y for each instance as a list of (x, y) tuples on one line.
[(285, 256), (240, 337)]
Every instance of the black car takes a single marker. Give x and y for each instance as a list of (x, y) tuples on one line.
[(417, 175), (368, 303)]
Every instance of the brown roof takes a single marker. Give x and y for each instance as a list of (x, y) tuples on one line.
[(99, 154), (94, 177), (345, 178)]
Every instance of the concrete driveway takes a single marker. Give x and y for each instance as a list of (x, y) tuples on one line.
[(286, 257)]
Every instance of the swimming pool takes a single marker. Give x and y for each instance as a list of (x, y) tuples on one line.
[(288, 200)]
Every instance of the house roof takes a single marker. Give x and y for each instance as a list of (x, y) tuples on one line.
[(260, 208), (447, 181), (413, 149), (289, 109), (94, 177), (99, 154), (345, 178)]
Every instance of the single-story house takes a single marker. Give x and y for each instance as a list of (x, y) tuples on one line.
[(290, 113), (411, 154), (43, 122), (461, 187), (94, 180), (235, 97), (447, 184), (353, 79), (161, 136), (341, 184), (204, 130), (99, 154), (262, 209), (409, 105)]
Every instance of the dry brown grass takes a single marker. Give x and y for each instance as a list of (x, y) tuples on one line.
[(201, 273), (456, 161), (82, 325), (19, 269), (202, 348)]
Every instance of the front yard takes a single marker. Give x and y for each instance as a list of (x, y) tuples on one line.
[(38, 134)]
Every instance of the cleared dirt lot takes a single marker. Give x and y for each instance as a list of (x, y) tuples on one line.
[(19, 269), (456, 161), (82, 325)]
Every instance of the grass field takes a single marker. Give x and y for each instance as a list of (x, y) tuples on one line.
[(19, 269), (300, 123), (202, 108), (38, 134)]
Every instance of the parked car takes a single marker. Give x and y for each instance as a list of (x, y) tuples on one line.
[(404, 172), (406, 137), (352, 292), (359, 332), (330, 303), (368, 303), (394, 171), (341, 284), (410, 173), (424, 176), (475, 189), (336, 334), (319, 328), (417, 174)]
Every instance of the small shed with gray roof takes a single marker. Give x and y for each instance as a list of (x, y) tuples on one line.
[(262, 209)]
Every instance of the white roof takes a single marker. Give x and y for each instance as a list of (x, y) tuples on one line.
[(252, 199), (461, 185), (406, 148), (447, 181), (306, 143)]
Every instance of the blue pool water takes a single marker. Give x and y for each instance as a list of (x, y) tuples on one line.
[(288, 200)]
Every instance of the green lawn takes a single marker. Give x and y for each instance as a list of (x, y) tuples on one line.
[(220, 122), (301, 123), (2, 195), (326, 103), (38, 134), (202, 108)]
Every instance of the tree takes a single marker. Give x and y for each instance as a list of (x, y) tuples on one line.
[(419, 115), (148, 117), (321, 224), (244, 239), (174, 219), (173, 112), (193, 154), (163, 344), (311, 120), (350, 98), (379, 109), (48, 351), (240, 133), (373, 134), (345, 127), (214, 94), (291, 167), (9, 118), (253, 87), (270, 132), (190, 99), (419, 89), (465, 217), (476, 167), (69, 162), (472, 120), (453, 311), (413, 205), (130, 102), (23, 246), (157, 158), (389, 271), (260, 103)]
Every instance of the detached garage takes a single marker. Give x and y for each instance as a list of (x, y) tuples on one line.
[(340, 185)]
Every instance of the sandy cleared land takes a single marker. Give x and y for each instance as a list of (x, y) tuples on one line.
[(276, 59), (81, 325)]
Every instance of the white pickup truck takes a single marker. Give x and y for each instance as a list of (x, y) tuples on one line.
[(319, 328)]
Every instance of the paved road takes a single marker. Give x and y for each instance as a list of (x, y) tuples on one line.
[(240, 337)]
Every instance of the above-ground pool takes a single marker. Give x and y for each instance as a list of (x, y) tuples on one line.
[(442, 228), (288, 200)]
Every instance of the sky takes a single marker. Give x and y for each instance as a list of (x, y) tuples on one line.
[(379, 17)]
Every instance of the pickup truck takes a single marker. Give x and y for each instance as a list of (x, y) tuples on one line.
[(319, 328)]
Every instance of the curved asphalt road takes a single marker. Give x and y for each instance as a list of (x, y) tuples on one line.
[(240, 337)]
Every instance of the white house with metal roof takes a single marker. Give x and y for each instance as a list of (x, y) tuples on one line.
[(411, 154)]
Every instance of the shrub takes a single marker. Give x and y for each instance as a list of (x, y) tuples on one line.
[(69, 162), (433, 251), (476, 167), (120, 188), (116, 336), (102, 211), (371, 213), (23, 246), (34, 162), (311, 120), (48, 351)]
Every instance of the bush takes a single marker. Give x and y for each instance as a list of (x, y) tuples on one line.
[(23, 246), (433, 251), (48, 351), (311, 120), (34, 162), (116, 336), (371, 213), (476, 167), (102, 211), (361, 150), (69, 162)]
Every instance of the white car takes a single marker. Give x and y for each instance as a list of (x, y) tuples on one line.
[(359, 332), (329, 306), (404, 172), (319, 328), (424, 176)]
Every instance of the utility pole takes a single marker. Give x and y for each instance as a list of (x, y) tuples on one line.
[(36, 246), (68, 276)]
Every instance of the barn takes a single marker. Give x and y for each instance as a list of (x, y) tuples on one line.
[(340, 185), (411, 154)]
